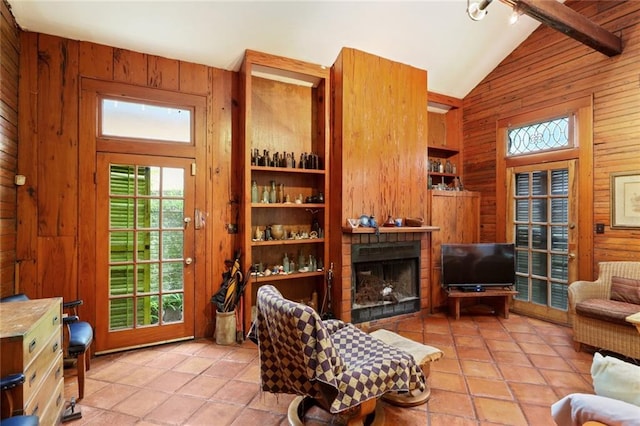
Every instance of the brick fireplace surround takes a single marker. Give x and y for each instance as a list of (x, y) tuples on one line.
[(349, 239)]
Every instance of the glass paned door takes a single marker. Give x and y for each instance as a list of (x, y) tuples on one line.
[(144, 269), (543, 227)]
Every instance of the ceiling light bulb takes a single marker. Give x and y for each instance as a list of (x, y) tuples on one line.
[(478, 10), (515, 16)]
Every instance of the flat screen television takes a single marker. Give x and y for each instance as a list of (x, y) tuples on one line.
[(472, 267)]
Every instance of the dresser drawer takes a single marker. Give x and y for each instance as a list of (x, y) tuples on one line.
[(48, 383), (36, 373), (52, 413), (37, 338)]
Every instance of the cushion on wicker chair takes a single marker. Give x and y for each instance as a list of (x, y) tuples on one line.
[(607, 310), (625, 290)]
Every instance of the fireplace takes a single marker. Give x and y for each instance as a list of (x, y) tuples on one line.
[(385, 280)]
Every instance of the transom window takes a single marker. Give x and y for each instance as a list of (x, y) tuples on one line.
[(144, 121), (539, 137)]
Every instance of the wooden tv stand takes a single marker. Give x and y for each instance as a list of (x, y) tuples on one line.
[(502, 294)]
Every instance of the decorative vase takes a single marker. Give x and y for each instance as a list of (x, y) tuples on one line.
[(277, 232)]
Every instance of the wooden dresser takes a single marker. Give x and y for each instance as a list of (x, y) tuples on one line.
[(31, 342)]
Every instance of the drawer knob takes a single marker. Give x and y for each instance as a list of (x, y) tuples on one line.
[(32, 345), (55, 347)]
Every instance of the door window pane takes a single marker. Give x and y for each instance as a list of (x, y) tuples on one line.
[(522, 210), (539, 210), (172, 278), (172, 305), (560, 238), (539, 263), (148, 311), (522, 236), (121, 314), (539, 183), (522, 287), (539, 291), (142, 121), (538, 237), (559, 210)]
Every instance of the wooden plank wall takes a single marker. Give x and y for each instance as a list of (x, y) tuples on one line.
[(9, 68), (548, 68), (50, 243)]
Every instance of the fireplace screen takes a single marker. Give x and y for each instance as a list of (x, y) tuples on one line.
[(385, 280)]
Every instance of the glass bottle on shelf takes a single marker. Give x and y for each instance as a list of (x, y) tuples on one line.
[(254, 192), (265, 195), (285, 263), (280, 193), (272, 193)]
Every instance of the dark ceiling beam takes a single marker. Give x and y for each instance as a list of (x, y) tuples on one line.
[(566, 20)]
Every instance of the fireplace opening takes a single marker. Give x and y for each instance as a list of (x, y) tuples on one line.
[(385, 280)]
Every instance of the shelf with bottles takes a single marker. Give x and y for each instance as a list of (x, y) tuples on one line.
[(281, 277), (291, 241), (442, 167), (287, 190), (286, 161), (287, 262)]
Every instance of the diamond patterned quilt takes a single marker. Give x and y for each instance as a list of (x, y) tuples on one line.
[(330, 360)]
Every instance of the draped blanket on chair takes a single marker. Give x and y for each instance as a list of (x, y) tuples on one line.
[(331, 361)]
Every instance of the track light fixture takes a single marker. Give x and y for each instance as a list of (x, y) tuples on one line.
[(478, 9)]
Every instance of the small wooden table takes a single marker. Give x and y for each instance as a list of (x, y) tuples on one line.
[(503, 294)]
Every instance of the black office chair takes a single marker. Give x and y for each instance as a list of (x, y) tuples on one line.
[(7, 384), (79, 335)]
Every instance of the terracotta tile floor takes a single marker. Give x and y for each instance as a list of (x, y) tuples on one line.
[(495, 371)]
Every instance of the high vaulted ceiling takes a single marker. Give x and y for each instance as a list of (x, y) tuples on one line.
[(435, 35)]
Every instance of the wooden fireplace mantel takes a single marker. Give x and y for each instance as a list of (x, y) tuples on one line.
[(390, 229)]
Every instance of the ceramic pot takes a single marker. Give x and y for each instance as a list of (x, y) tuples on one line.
[(277, 232)]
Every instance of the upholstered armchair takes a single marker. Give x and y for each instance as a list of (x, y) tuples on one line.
[(598, 314), (331, 364)]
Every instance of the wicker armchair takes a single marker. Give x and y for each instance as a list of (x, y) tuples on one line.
[(618, 338)]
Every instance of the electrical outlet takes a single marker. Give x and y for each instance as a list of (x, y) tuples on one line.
[(232, 228), (599, 228)]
